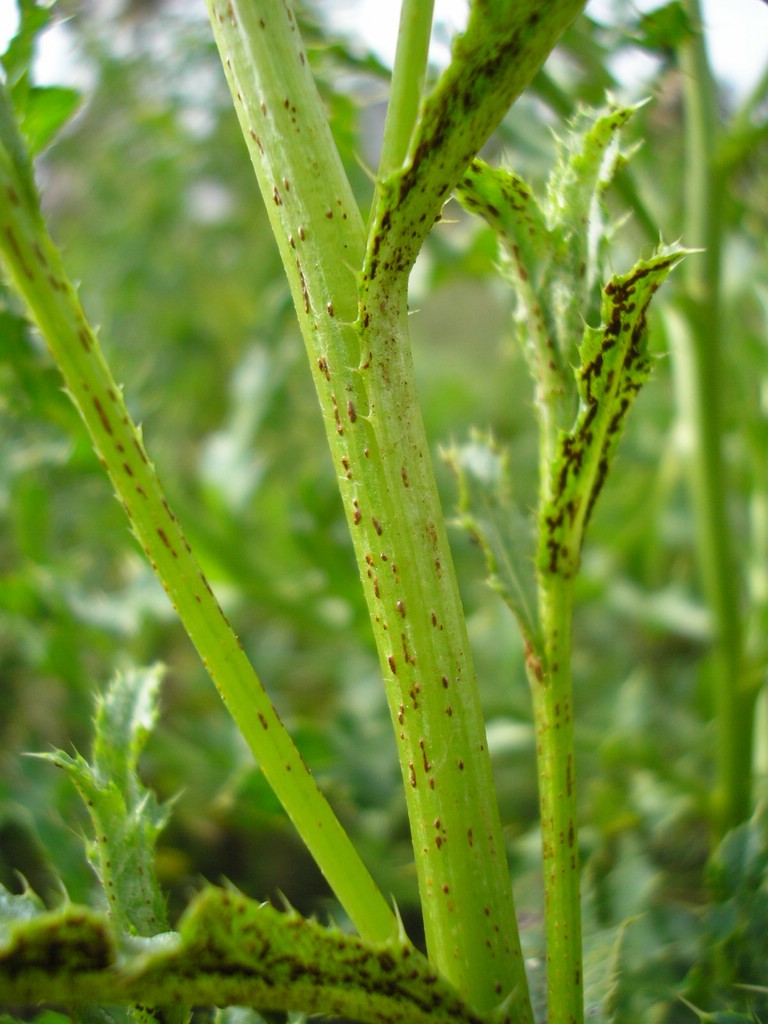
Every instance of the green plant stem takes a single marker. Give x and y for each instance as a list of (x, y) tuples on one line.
[(463, 876), (36, 270), (552, 690), (407, 87), (700, 389), (364, 380)]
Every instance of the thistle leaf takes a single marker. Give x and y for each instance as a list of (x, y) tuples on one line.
[(615, 363), (553, 246), (126, 816), (554, 251), (229, 950), (492, 516), (509, 206), (589, 158)]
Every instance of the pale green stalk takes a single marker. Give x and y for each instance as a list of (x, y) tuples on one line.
[(463, 876), (35, 268), (407, 87), (699, 379), (385, 477)]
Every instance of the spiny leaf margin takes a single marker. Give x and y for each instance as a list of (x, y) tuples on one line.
[(615, 363), (504, 45), (125, 815), (229, 950)]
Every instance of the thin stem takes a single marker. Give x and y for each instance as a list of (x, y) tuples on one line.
[(408, 76), (35, 267), (699, 387), (552, 689)]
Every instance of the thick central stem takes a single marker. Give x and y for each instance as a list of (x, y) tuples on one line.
[(365, 383), (414, 601)]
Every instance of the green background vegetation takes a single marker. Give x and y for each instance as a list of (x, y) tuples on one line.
[(151, 196)]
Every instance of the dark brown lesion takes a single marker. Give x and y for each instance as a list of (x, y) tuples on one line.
[(18, 253), (104, 419)]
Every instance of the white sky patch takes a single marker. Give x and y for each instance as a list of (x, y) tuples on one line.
[(376, 24), (737, 34)]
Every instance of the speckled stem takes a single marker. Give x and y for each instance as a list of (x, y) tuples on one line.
[(552, 691), (364, 379), (468, 907), (362, 370), (35, 268), (411, 587)]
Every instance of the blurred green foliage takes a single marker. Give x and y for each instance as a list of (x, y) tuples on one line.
[(150, 194)]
